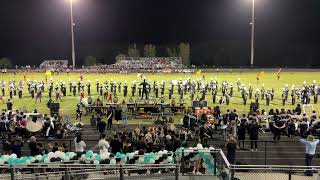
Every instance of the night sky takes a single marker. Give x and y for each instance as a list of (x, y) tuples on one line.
[(34, 30)]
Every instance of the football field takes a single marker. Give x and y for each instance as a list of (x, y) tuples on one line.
[(68, 105)]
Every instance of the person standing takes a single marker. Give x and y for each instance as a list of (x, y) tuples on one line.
[(9, 105), (254, 134), (278, 127), (110, 116), (231, 150), (311, 145), (124, 113), (39, 95), (101, 127), (242, 133)]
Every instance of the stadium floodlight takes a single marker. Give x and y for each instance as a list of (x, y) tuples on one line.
[(252, 33), (72, 34)]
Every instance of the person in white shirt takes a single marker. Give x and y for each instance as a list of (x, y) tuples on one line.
[(79, 144), (103, 144)]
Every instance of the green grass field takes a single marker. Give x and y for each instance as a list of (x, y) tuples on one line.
[(68, 105)]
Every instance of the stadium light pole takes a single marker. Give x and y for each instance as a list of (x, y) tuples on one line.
[(252, 34), (72, 35)]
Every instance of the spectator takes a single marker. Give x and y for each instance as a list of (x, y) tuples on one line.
[(103, 144), (110, 113), (79, 144), (231, 150), (55, 147), (16, 146), (116, 145), (241, 133), (124, 113), (278, 127), (254, 134), (101, 127), (33, 146), (127, 146), (311, 145)]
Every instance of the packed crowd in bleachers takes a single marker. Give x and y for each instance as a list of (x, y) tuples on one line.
[(55, 65), (154, 63)]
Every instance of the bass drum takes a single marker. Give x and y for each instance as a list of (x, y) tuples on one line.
[(34, 127)]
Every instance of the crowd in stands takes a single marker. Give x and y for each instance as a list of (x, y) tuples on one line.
[(150, 63), (55, 65), (167, 137)]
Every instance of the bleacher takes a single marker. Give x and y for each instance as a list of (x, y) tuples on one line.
[(134, 63), (54, 64)]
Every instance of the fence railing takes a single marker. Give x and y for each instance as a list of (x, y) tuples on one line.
[(195, 162), (279, 172), (90, 171), (183, 166), (283, 152)]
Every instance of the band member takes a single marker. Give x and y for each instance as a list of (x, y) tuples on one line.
[(162, 88), (3, 85), (214, 95), (39, 96), (64, 89), (256, 96), (238, 84), (89, 88), (21, 125), (227, 98), (293, 95), (283, 96), (50, 89), (74, 90), (250, 91), (97, 86), (156, 89), (316, 93), (125, 89), (100, 90), (119, 87), (78, 112), (268, 98), (20, 88), (81, 95), (110, 97), (32, 91), (58, 95), (170, 92), (133, 88), (272, 94), (70, 85), (262, 92)]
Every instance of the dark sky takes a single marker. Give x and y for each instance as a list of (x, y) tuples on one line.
[(34, 30)]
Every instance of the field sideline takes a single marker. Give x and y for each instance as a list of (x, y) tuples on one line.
[(68, 105)]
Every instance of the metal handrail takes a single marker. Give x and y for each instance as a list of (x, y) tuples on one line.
[(273, 167)]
